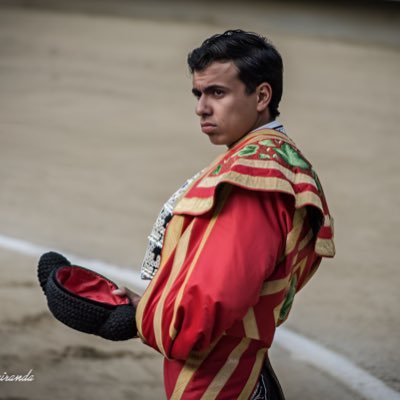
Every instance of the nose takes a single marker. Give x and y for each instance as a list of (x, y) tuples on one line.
[(203, 107)]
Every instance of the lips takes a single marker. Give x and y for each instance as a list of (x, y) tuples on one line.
[(207, 127)]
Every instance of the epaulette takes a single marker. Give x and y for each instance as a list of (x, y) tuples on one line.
[(265, 160)]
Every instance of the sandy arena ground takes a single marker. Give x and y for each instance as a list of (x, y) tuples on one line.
[(97, 128)]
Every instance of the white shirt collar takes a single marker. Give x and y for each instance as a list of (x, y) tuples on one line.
[(273, 125)]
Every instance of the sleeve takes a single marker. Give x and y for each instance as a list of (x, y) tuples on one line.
[(216, 272)]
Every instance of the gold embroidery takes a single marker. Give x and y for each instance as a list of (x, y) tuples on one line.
[(180, 254), (255, 372), (198, 206), (250, 325), (276, 286), (295, 178), (325, 247), (191, 365), (195, 205), (172, 235), (226, 371), (277, 311), (269, 134), (179, 259), (294, 234), (299, 267), (308, 198), (304, 242), (257, 182), (224, 197), (313, 269)]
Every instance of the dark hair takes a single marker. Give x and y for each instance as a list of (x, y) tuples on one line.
[(256, 58)]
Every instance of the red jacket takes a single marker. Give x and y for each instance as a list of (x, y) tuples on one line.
[(245, 237)]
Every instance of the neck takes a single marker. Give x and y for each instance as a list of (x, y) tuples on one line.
[(262, 119)]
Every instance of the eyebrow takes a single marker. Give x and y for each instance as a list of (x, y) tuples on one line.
[(208, 89)]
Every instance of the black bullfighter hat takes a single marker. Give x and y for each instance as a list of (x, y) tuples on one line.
[(82, 299)]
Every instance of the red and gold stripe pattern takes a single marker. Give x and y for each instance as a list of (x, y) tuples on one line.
[(265, 160), (232, 261)]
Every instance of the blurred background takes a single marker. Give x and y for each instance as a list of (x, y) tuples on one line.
[(97, 129)]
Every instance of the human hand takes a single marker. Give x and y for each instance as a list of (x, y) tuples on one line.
[(125, 292)]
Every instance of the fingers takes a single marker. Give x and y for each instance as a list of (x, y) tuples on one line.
[(122, 292), (125, 292)]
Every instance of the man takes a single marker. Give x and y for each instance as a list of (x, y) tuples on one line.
[(232, 247)]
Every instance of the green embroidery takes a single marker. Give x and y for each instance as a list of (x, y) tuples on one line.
[(264, 156), (268, 142), (315, 176), (292, 157), (217, 170), (287, 305), (249, 150)]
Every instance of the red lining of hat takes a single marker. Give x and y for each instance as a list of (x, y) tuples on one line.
[(88, 284)]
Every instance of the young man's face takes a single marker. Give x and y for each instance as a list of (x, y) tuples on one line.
[(226, 111)]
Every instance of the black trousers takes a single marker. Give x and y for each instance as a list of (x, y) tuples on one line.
[(268, 387)]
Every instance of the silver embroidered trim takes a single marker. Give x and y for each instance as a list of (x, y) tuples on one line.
[(261, 392), (152, 257)]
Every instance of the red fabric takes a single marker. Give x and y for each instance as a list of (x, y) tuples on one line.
[(229, 271), (89, 285), (263, 168), (203, 376), (240, 253)]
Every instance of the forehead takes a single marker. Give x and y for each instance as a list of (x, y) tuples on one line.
[(217, 73)]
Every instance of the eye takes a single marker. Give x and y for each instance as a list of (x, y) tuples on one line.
[(218, 92), (196, 93)]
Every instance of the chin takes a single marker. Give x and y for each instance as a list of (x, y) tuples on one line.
[(217, 140)]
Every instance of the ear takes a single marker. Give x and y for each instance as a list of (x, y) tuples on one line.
[(264, 94)]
